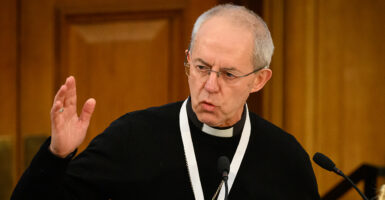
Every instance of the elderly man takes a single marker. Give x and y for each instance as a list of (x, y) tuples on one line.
[(170, 152)]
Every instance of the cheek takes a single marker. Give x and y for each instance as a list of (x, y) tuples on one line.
[(237, 96), (194, 86)]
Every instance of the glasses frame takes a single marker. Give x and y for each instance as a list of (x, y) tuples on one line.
[(188, 66)]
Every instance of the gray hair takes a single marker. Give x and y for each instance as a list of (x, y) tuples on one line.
[(239, 15)]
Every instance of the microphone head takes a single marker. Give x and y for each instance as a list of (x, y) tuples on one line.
[(324, 161), (223, 164)]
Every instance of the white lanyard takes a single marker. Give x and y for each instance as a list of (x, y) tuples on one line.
[(191, 159)]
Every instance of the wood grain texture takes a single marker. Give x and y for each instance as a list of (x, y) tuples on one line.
[(6, 167), (8, 68), (334, 81), (8, 97), (126, 54), (124, 65), (273, 101), (300, 65), (352, 82)]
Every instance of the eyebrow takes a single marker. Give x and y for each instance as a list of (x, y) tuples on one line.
[(223, 68), (202, 61)]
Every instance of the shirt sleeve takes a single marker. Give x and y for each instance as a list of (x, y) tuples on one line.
[(46, 178)]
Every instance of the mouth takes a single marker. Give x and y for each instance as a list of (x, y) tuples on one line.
[(207, 106)]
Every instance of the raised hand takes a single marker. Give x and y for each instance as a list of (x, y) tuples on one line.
[(68, 130)]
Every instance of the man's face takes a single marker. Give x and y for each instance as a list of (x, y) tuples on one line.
[(220, 45)]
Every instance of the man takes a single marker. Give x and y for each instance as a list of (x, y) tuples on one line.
[(170, 152)]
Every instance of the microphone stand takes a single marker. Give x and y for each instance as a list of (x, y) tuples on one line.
[(225, 177), (224, 168), (339, 172), (329, 165)]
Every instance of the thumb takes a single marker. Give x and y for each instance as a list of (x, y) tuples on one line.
[(88, 109)]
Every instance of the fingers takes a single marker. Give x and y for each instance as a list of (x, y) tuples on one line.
[(88, 109), (57, 106), (70, 95), (66, 94), (60, 95), (66, 99)]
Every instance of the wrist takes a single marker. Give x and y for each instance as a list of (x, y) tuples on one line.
[(63, 155)]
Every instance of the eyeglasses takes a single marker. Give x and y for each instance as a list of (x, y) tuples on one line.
[(228, 76)]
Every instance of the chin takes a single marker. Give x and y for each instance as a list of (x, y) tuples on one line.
[(208, 119)]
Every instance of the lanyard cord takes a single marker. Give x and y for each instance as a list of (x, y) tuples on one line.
[(191, 162)]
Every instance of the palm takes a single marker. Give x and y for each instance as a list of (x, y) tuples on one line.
[(68, 129)]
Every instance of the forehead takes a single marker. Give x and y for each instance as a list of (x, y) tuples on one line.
[(219, 41)]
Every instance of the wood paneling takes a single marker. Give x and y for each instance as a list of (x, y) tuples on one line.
[(124, 61), (333, 80), (6, 167), (123, 53), (127, 54), (8, 64), (273, 14), (352, 82), (8, 96)]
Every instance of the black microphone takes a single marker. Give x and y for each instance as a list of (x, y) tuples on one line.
[(224, 169), (329, 165)]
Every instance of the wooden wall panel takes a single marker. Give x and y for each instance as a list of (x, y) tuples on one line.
[(299, 71), (43, 66), (36, 66), (125, 64), (8, 63), (273, 102), (333, 80), (103, 43), (8, 96), (352, 82)]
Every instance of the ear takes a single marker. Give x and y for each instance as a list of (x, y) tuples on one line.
[(187, 57), (261, 79), (186, 62)]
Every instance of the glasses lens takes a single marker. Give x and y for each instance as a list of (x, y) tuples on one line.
[(228, 75), (203, 72)]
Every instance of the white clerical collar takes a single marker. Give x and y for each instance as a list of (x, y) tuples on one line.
[(216, 131)]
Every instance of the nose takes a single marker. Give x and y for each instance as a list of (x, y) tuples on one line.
[(211, 84)]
